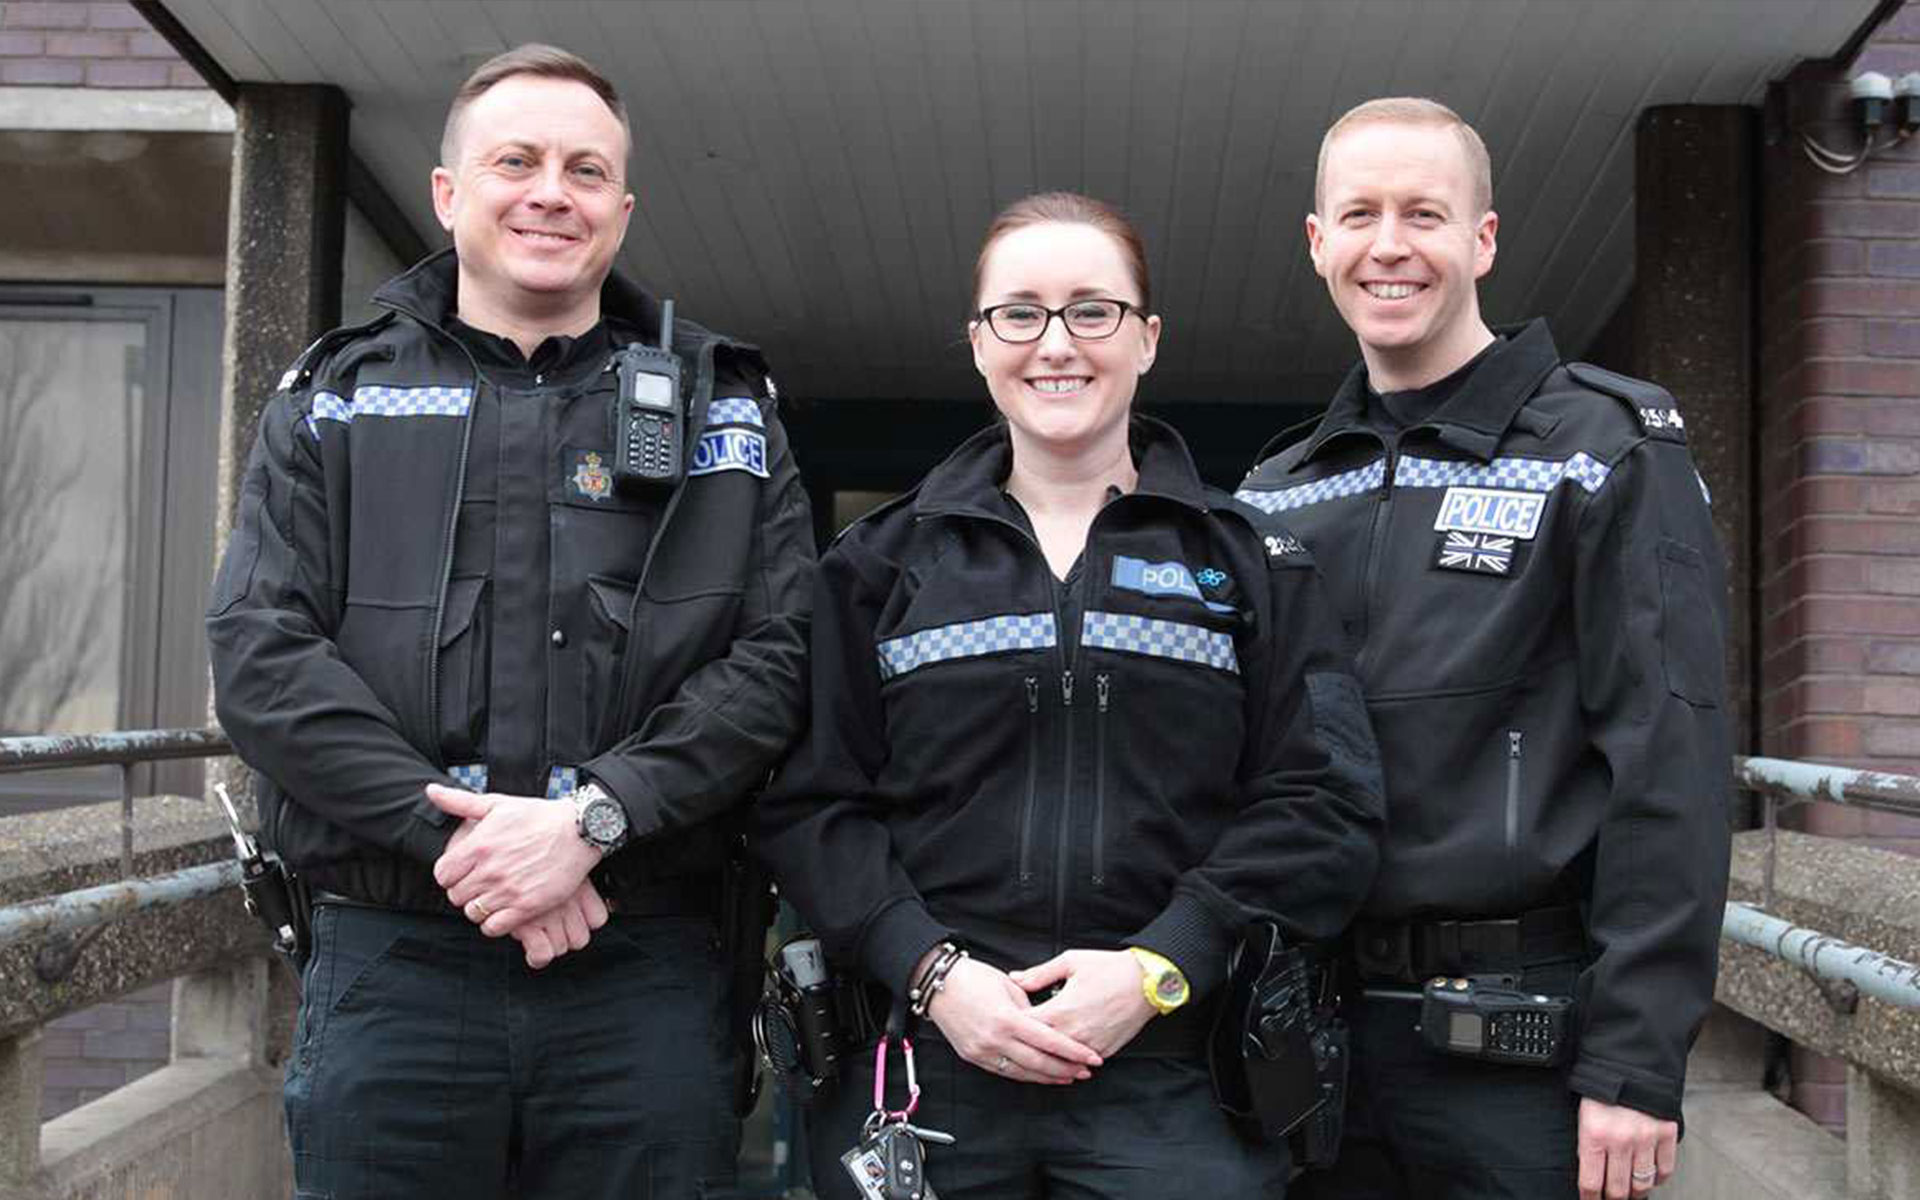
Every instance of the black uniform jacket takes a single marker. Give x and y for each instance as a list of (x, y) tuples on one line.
[(358, 644), (1150, 754), (1540, 600)]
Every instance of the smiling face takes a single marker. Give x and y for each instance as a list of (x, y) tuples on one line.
[(1063, 392), (536, 200), (1401, 243)]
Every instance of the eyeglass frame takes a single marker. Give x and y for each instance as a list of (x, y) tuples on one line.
[(985, 315)]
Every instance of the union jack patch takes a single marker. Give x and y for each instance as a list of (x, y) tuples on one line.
[(1479, 552)]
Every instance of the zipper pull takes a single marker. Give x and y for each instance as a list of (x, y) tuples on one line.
[(1066, 688), (1513, 743), (1033, 693), (1101, 690)]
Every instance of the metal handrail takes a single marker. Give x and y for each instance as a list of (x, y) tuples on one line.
[(1878, 975), (1794, 782), (71, 912)]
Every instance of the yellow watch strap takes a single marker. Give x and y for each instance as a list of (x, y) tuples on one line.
[(1163, 984)]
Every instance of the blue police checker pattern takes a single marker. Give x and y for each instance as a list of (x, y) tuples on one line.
[(735, 410), (473, 777), (966, 639), (1333, 487), (1517, 474), (1160, 639), (378, 400)]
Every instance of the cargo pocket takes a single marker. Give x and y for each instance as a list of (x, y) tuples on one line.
[(1690, 634), (465, 661)]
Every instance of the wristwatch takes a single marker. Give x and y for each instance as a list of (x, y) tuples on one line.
[(603, 823), (1165, 987)]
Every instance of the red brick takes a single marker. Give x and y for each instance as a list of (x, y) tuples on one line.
[(114, 16), (1893, 658), (1827, 495), (1834, 654), (1865, 218), (1831, 820), (21, 14), (1885, 496), (1894, 417), (1893, 181), (1886, 739), (1902, 26), (1823, 414), (1898, 260), (1860, 297), (126, 73), (41, 71), (1859, 456), (1898, 845), (1891, 825), (1825, 738), (87, 45), (180, 75), (22, 45), (1888, 58), (1893, 339), (1832, 339), (1831, 573), (150, 45), (1891, 697), (1860, 614), (1864, 376), (1829, 696)]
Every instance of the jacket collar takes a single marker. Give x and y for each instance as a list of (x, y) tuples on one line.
[(427, 292), (1477, 416), (970, 479)]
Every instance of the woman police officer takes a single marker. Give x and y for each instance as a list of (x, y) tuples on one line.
[(1074, 716)]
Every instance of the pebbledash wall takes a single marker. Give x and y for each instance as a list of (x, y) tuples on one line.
[(1839, 462)]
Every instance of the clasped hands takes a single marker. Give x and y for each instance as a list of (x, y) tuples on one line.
[(518, 866), (989, 1018)]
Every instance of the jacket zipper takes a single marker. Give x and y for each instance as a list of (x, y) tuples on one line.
[(1102, 693), (1383, 502), (1514, 737), (446, 551), (1064, 823), (1033, 779)]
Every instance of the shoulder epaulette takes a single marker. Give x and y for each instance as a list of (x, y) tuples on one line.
[(1652, 405), (326, 344)]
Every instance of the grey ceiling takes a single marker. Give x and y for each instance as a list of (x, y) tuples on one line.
[(814, 174)]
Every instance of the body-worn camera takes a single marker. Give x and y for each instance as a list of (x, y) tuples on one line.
[(796, 1028), (1487, 1017)]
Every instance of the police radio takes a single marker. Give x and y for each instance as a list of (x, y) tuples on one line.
[(1487, 1018), (649, 419)]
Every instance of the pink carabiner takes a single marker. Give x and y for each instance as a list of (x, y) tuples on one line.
[(880, 1081)]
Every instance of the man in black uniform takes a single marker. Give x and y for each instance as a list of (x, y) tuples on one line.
[(497, 681), (1523, 552)]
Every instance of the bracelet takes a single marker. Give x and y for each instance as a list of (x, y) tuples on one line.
[(921, 993)]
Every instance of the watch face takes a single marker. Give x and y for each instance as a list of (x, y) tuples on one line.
[(1170, 988), (603, 821)]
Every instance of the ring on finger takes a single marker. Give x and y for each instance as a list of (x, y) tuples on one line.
[(1001, 1064), (1643, 1179), (477, 910)]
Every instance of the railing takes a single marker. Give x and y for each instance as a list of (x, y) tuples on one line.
[(1782, 783), (125, 749)]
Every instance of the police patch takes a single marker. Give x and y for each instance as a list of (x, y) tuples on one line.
[(1155, 579), (1491, 511), (1482, 553), (590, 478), (730, 450)]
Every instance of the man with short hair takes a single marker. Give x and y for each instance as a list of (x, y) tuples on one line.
[(1523, 551), (511, 622)]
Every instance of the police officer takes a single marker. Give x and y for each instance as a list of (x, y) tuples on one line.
[(1074, 725), (498, 683), (1523, 550)]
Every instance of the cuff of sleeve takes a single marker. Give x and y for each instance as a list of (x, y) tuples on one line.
[(627, 786), (1186, 934), (895, 941), (426, 837), (1610, 1085)]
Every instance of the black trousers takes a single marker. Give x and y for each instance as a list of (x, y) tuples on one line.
[(1422, 1125), (1143, 1128), (430, 1062)]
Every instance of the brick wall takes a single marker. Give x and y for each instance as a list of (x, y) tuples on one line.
[(89, 1053), (1840, 462), (85, 43)]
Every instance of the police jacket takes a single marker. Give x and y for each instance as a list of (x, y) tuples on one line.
[(1151, 754), (433, 579), (1534, 580)]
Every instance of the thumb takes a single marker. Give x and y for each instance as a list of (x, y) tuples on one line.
[(1044, 975), (467, 805)]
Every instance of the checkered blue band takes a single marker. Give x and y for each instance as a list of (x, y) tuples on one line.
[(1515, 474), (1162, 639), (1333, 487), (374, 400), (735, 410), (473, 777), (966, 639)]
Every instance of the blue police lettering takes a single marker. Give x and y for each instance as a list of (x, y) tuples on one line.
[(730, 450), (1487, 510)]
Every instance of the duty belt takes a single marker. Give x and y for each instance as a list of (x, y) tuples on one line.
[(1412, 951)]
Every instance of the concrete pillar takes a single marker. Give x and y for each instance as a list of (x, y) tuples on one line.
[(1693, 321), (286, 229), (19, 1108), (223, 1012), (1883, 1139)]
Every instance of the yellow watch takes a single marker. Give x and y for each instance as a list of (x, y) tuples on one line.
[(1165, 987)]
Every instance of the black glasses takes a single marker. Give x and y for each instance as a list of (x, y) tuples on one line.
[(1086, 320)]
